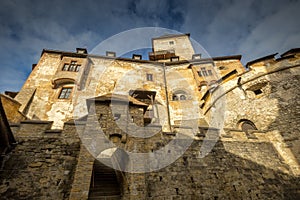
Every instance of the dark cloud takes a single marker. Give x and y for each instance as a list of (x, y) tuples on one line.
[(252, 28)]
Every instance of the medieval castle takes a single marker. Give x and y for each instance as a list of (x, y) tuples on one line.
[(175, 126)]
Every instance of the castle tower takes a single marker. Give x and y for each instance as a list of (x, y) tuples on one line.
[(171, 47)]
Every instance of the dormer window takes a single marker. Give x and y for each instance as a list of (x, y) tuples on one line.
[(81, 50), (137, 57), (72, 67), (196, 56), (110, 54), (174, 58)]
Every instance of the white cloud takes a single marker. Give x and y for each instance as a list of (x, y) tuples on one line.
[(278, 32), (252, 28)]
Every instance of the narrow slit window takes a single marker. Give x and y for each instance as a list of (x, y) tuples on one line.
[(65, 67), (77, 68), (72, 67)]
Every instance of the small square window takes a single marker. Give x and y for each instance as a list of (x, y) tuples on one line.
[(117, 116), (149, 77), (65, 93), (171, 42)]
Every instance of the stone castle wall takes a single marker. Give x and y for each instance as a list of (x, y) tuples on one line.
[(42, 164)]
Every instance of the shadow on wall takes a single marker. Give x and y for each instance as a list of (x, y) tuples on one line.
[(285, 87), (221, 175)]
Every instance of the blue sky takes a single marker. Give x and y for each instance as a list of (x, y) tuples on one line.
[(223, 27)]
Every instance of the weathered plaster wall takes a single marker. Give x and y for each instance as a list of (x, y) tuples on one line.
[(275, 109), (181, 78), (11, 108)]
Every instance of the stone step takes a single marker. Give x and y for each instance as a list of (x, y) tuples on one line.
[(103, 193), (113, 197), (105, 184)]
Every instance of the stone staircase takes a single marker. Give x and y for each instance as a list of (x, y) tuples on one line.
[(104, 183)]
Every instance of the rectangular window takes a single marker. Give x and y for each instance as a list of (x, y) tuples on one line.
[(204, 72), (174, 58), (111, 54), (137, 57), (65, 67), (199, 73), (171, 42), (77, 68), (65, 93), (209, 72), (149, 77), (73, 67), (196, 56)]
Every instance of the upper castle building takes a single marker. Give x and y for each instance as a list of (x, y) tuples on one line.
[(207, 128)]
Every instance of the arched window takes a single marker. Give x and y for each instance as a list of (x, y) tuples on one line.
[(175, 98), (179, 95), (66, 87), (246, 125), (182, 97)]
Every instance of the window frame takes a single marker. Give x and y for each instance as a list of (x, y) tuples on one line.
[(71, 67), (67, 92), (149, 77), (204, 71)]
